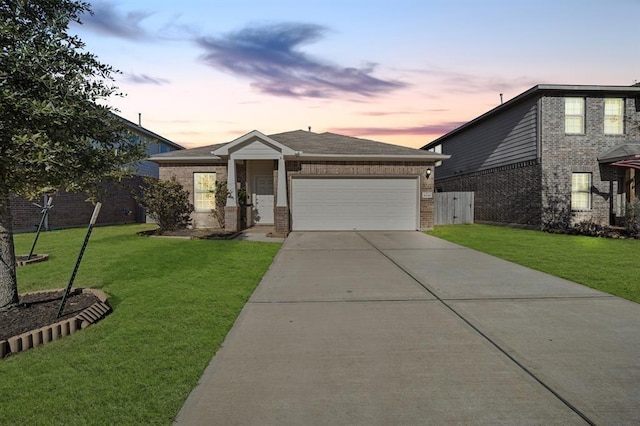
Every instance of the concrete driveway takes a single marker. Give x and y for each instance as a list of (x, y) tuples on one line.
[(403, 328)]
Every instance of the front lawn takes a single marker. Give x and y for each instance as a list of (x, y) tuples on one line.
[(609, 265), (174, 301)]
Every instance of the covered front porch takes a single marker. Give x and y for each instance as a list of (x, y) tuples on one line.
[(623, 162), (257, 183)]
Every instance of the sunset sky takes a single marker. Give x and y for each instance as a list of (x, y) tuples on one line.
[(397, 71)]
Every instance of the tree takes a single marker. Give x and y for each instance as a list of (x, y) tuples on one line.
[(56, 130), (167, 202), (221, 195)]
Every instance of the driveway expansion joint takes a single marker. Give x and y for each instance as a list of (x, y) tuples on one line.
[(524, 298), (491, 341), (275, 302)]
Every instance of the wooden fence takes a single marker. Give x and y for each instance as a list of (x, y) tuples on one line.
[(453, 208)]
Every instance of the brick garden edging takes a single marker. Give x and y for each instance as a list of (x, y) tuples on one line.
[(49, 333), (22, 260)]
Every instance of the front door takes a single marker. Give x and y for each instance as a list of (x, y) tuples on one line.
[(263, 203)]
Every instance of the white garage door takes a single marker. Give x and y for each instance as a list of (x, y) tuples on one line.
[(345, 204)]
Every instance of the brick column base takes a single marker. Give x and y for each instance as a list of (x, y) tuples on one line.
[(282, 220), (232, 219)]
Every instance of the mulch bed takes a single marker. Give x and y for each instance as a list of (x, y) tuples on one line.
[(40, 309), (195, 234)]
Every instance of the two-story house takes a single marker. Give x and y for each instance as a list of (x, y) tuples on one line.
[(72, 208), (555, 153)]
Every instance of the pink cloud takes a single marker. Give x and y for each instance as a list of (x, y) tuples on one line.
[(432, 129)]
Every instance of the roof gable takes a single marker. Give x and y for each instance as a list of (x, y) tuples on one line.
[(254, 144)]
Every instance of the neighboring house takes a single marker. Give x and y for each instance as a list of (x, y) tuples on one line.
[(156, 144), (307, 181), (72, 209), (554, 153)]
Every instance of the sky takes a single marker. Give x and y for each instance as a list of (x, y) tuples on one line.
[(405, 72)]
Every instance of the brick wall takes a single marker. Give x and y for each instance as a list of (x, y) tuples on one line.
[(25, 215), (71, 209), (184, 174), (372, 168), (562, 155), (507, 194)]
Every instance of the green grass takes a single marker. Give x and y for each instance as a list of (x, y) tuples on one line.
[(608, 265), (174, 301)]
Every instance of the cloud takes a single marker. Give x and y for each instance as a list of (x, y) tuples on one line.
[(432, 129), (145, 79), (388, 113), (271, 58), (461, 82), (107, 20)]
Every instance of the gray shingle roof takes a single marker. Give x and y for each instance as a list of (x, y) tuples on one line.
[(620, 152), (203, 152), (313, 144), (334, 144)]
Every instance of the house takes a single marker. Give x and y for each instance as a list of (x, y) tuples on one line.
[(553, 154), (302, 180), (72, 209)]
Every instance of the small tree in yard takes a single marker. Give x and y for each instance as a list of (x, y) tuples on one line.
[(166, 202), (55, 131), (221, 195)]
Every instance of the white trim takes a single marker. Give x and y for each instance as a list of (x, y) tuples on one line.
[(183, 159), (238, 143), (231, 183), (370, 157), (281, 196)]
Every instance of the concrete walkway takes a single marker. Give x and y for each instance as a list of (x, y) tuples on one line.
[(379, 328)]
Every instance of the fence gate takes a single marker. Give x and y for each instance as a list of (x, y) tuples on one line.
[(453, 208)]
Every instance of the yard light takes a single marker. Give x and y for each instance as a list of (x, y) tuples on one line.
[(428, 173)]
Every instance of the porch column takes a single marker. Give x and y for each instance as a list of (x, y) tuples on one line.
[(232, 211), (282, 208), (282, 184), (231, 183)]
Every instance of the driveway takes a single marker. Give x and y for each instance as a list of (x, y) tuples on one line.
[(404, 328)]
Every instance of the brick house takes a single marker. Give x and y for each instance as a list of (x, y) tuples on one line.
[(553, 153), (71, 208), (308, 181)]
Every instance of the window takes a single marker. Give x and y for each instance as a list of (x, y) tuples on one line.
[(574, 115), (204, 186), (581, 191), (438, 150), (613, 116)]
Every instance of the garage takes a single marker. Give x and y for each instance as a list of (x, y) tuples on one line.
[(354, 203)]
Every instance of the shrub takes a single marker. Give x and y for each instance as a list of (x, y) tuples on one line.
[(166, 202), (588, 228), (221, 195), (632, 218)]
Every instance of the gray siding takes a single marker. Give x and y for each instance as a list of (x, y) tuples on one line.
[(148, 168), (501, 140)]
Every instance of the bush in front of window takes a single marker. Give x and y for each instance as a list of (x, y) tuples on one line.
[(166, 202)]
